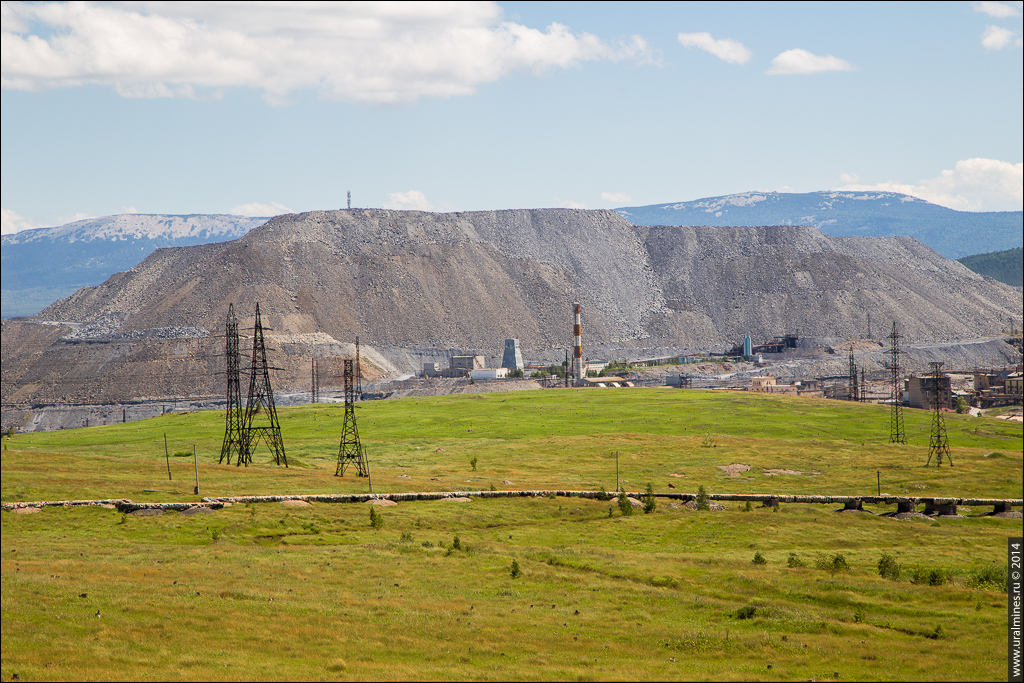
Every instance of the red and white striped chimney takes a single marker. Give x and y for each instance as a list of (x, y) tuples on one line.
[(577, 352)]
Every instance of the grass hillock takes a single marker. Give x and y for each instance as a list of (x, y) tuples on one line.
[(269, 591), (1005, 266)]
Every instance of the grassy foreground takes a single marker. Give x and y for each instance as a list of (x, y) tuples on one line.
[(314, 592)]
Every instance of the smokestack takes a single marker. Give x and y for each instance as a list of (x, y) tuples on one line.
[(577, 352)]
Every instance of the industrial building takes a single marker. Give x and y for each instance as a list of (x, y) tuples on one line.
[(920, 391)]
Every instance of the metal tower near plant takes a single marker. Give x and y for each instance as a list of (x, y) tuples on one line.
[(350, 451), (853, 390), (260, 404), (232, 445), (359, 375), (314, 380), (897, 433), (938, 444)]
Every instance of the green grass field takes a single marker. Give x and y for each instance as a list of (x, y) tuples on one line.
[(270, 591)]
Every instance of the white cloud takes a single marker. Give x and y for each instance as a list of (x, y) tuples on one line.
[(259, 209), (797, 61), (724, 48), (973, 185), (570, 204), (11, 223), (413, 200), (616, 197), (997, 37), (849, 177), (371, 52), (999, 10)]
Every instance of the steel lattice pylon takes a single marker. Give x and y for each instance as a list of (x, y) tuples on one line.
[(938, 444), (853, 391), (897, 433), (260, 403), (350, 451), (233, 421)]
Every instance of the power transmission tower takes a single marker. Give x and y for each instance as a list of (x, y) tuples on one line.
[(314, 380), (350, 451), (863, 387), (853, 390), (897, 434), (359, 375), (938, 444), (260, 403), (233, 420)]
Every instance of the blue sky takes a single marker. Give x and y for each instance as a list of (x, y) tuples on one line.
[(263, 108)]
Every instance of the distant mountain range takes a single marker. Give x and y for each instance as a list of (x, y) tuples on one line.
[(43, 265), (866, 214)]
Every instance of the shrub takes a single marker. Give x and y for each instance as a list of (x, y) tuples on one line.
[(603, 494), (888, 567), (858, 615), (472, 462), (376, 519), (930, 576), (515, 572), (748, 507), (406, 537), (625, 506), (649, 504), (937, 634), (832, 563), (427, 544), (492, 487), (961, 405), (991, 578), (703, 502), (708, 441), (794, 561), (456, 544), (746, 612), (759, 558)]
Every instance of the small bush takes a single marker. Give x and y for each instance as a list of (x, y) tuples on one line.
[(703, 502), (708, 441), (858, 615), (649, 503), (930, 576), (376, 519), (888, 567), (603, 494), (746, 612), (625, 507), (406, 537), (515, 572), (493, 487), (991, 578), (832, 563), (794, 561), (473, 461), (748, 507), (759, 558), (937, 634), (456, 544), (427, 544)]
